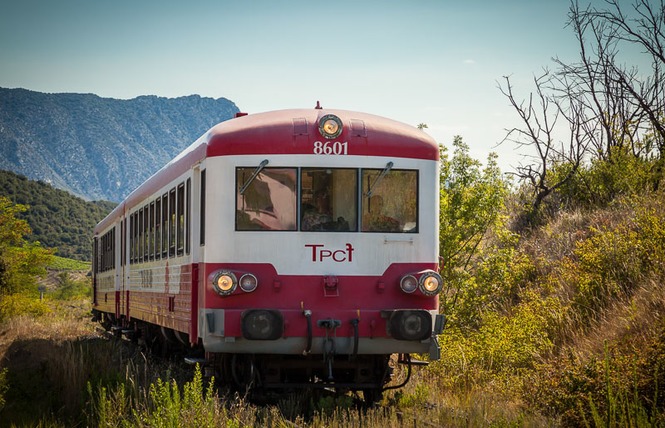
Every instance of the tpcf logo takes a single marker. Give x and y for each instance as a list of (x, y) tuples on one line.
[(321, 253)]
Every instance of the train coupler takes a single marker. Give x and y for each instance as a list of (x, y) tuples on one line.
[(329, 324), (329, 343)]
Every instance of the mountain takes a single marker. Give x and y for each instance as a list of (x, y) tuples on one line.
[(57, 218), (99, 148)]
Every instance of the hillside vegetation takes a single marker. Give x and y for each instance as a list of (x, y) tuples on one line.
[(57, 219), (562, 318)]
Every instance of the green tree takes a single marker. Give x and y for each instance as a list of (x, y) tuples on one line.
[(20, 261), (471, 217)]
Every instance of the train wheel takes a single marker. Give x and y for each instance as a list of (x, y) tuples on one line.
[(107, 323), (244, 372), (372, 396)]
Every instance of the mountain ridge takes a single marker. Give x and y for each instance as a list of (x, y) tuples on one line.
[(99, 148)]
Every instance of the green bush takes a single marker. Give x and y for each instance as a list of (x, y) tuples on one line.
[(505, 344), (609, 288), (619, 254), (472, 229), (418, 398), (69, 289), (13, 305), (167, 405), (603, 180), (618, 388), (20, 261), (62, 263), (4, 386)]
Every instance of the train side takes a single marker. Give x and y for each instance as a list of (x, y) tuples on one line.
[(295, 248)]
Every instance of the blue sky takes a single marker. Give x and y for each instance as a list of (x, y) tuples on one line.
[(432, 61)]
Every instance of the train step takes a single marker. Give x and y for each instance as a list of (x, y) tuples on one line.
[(413, 362), (128, 333)]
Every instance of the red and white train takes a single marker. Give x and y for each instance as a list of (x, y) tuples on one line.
[(293, 248)]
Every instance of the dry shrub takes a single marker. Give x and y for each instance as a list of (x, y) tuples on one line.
[(610, 357), (49, 359)]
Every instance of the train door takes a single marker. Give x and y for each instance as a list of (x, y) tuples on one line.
[(195, 239), (117, 266)]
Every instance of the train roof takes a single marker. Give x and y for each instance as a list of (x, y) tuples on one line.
[(292, 132), (288, 132)]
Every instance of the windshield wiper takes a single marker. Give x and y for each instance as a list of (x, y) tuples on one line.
[(385, 171), (256, 172)]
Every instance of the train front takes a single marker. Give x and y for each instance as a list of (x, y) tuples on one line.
[(319, 249)]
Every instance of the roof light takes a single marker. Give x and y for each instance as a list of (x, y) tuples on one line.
[(330, 126)]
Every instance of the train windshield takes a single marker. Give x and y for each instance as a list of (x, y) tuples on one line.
[(327, 199)]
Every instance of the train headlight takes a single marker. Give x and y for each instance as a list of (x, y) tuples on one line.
[(410, 324), (248, 283), (408, 284), (330, 126), (224, 282), (262, 324), (430, 283)]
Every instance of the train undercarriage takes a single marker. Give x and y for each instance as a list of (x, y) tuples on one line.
[(259, 374)]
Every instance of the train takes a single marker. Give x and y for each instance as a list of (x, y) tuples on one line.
[(283, 250)]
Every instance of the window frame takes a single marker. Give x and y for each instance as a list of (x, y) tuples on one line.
[(238, 185)]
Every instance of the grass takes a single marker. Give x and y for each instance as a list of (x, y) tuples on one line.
[(61, 371)]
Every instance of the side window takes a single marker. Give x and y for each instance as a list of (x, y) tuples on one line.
[(151, 232), (188, 215), (122, 242), (95, 255), (112, 254), (266, 200), (172, 223), (165, 224), (180, 220), (135, 239), (102, 267), (328, 200), (131, 239), (140, 233), (158, 228), (106, 253), (146, 234), (389, 201)]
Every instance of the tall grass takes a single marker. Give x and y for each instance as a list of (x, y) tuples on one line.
[(622, 406), (75, 377)]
